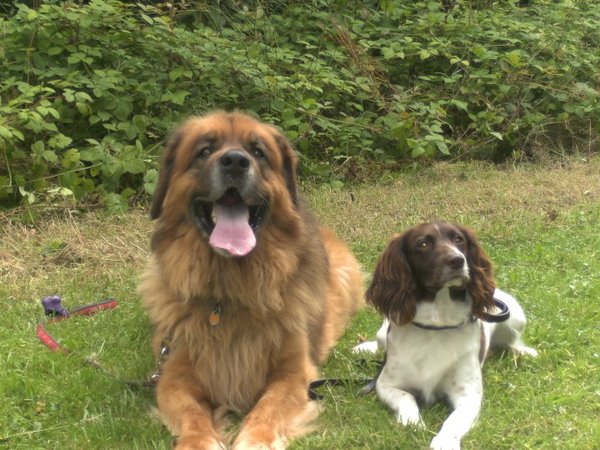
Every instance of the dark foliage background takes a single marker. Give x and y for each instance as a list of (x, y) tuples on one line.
[(90, 90)]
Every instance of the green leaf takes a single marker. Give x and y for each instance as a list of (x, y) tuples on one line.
[(134, 166), (93, 154), (460, 104), (82, 97), (5, 187), (50, 156), (176, 73), (147, 19), (60, 141), (49, 126), (388, 53), (442, 147), (424, 54), (115, 204), (178, 97), (129, 129), (83, 108), (61, 191), (70, 158), (417, 151), (32, 14), (38, 147), (123, 109), (74, 58), (6, 133), (514, 58), (53, 112), (104, 115), (28, 196), (69, 95), (150, 180), (141, 122), (17, 134)]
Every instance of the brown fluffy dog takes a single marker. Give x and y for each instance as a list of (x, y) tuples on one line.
[(249, 291)]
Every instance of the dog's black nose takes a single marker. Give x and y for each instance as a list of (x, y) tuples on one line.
[(234, 162), (456, 262)]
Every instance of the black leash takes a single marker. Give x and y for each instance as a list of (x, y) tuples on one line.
[(502, 316), (54, 310), (370, 386), (371, 382)]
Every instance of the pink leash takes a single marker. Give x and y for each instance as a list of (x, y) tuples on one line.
[(52, 308)]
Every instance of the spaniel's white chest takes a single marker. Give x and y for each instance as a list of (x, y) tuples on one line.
[(419, 360)]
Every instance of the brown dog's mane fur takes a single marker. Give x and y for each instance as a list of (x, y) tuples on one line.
[(283, 305)]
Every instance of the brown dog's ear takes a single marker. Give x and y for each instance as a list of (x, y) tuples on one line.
[(290, 165), (481, 285), (393, 291), (164, 176)]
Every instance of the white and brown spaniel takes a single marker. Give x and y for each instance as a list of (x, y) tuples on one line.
[(434, 285)]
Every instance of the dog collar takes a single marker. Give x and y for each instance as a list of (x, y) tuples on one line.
[(502, 316), (425, 326)]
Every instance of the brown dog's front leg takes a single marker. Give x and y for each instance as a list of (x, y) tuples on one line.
[(183, 407), (283, 410)]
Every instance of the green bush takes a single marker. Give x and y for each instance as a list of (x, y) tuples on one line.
[(85, 92), (89, 92)]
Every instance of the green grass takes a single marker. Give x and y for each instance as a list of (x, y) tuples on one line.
[(540, 225)]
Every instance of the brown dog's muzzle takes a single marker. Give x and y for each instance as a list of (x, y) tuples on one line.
[(232, 220), (234, 164)]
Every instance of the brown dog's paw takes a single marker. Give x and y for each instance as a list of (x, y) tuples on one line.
[(198, 442), (260, 441)]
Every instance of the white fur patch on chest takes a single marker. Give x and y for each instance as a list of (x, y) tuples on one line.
[(443, 311), (419, 360)]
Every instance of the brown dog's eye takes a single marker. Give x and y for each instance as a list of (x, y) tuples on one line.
[(203, 152), (257, 152), (459, 239)]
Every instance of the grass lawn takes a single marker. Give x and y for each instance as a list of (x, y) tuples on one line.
[(539, 224)]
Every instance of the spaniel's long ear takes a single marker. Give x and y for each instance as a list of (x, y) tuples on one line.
[(393, 291), (481, 284), (290, 165), (164, 176)]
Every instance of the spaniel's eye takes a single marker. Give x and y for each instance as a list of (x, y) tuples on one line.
[(422, 245), (459, 239)]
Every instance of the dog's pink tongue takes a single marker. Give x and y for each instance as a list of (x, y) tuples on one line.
[(232, 232)]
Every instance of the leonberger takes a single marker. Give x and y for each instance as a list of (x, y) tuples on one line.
[(245, 290)]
